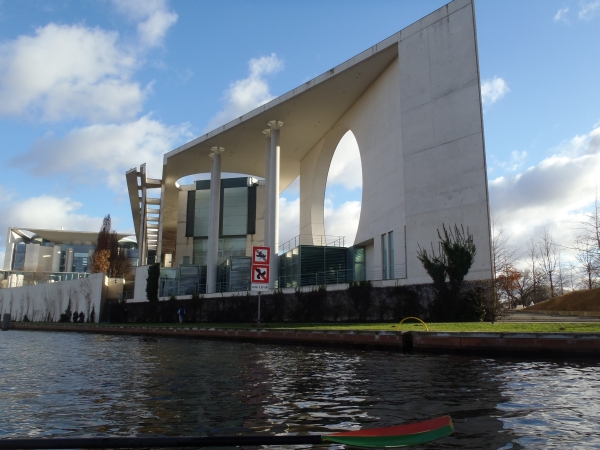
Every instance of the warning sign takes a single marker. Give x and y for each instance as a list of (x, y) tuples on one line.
[(260, 274), (261, 255), (260, 277)]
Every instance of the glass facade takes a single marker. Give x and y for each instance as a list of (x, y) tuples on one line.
[(61, 261), (391, 255), (201, 209), (81, 257), (359, 263), (228, 247), (387, 256), (19, 258), (384, 257), (235, 211)]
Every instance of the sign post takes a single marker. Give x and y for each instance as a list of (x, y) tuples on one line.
[(261, 259)]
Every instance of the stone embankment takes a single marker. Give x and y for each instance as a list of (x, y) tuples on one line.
[(549, 344)]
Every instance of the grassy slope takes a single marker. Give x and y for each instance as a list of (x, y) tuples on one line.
[(587, 300)]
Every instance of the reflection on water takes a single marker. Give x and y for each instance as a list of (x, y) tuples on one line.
[(67, 384)]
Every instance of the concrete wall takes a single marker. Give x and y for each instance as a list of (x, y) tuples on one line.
[(419, 130), (443, 146), (47, 301), (139, 289), (114, 288)]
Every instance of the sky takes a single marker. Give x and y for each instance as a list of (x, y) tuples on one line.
[(92, 88)]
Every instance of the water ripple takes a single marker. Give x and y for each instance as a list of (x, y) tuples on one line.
[(66, 384)]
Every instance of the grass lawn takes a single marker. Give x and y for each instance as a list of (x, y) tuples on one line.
[(519, 327)]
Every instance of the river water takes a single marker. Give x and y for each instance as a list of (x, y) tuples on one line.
[(69, 384)]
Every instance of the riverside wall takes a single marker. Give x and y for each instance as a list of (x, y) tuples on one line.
[(542, 344)]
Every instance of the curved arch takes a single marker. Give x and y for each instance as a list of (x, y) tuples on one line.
[(313, 182), (343, 192)]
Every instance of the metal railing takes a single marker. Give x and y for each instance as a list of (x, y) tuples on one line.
[(309, 239), (376, 273), (319, 278), (171, 286), (18, 278)]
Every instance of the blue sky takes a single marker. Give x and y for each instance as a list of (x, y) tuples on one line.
[(91, 88)]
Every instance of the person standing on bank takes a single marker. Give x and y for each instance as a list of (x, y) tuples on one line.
[(181, 313)]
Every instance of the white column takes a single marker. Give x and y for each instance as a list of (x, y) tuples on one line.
[(267, 133), (69, 260), (274, 200), (213, 221), (56, 259)]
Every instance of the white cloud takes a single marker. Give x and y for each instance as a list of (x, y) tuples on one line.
[(339, 221), (561, 14), (68, 71), (493, 90), (153, 16), (551, 194), (589, 10), (249, 93), (104, 152), (77, 72), (346, 169), (343, 220), (289, 219), (516, 161), (45, 211), (49, 212)]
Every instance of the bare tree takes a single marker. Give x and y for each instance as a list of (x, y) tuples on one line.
[(47, 306), (59, 300), (589, 260), (548, 258), (73, 299), (37, 277), (587, 245), (503, 251), (28, 301), (86, 290), (532, 262)]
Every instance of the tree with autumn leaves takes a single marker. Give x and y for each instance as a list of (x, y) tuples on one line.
[(109, 258)]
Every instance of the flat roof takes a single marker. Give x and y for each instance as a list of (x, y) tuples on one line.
[(308, 112), (66, 236)]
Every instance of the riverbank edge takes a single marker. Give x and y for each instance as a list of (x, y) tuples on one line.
[(559, 344)]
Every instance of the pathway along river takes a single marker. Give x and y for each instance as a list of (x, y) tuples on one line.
[(70, 384)]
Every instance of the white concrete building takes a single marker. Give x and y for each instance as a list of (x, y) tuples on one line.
[(60, 254), (413, 102)]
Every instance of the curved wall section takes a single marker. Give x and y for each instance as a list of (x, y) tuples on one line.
[(420, 134)]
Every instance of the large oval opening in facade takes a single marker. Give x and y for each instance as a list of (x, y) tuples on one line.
[(343, 191)]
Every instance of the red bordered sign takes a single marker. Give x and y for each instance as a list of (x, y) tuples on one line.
[(261, 255), (260, 274)]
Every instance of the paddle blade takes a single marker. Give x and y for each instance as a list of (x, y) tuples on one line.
[(396, 436)]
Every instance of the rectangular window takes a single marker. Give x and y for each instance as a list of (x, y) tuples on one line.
[(391, 255), (387, 256), (384, 257), (202, 206), (235, 211)]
